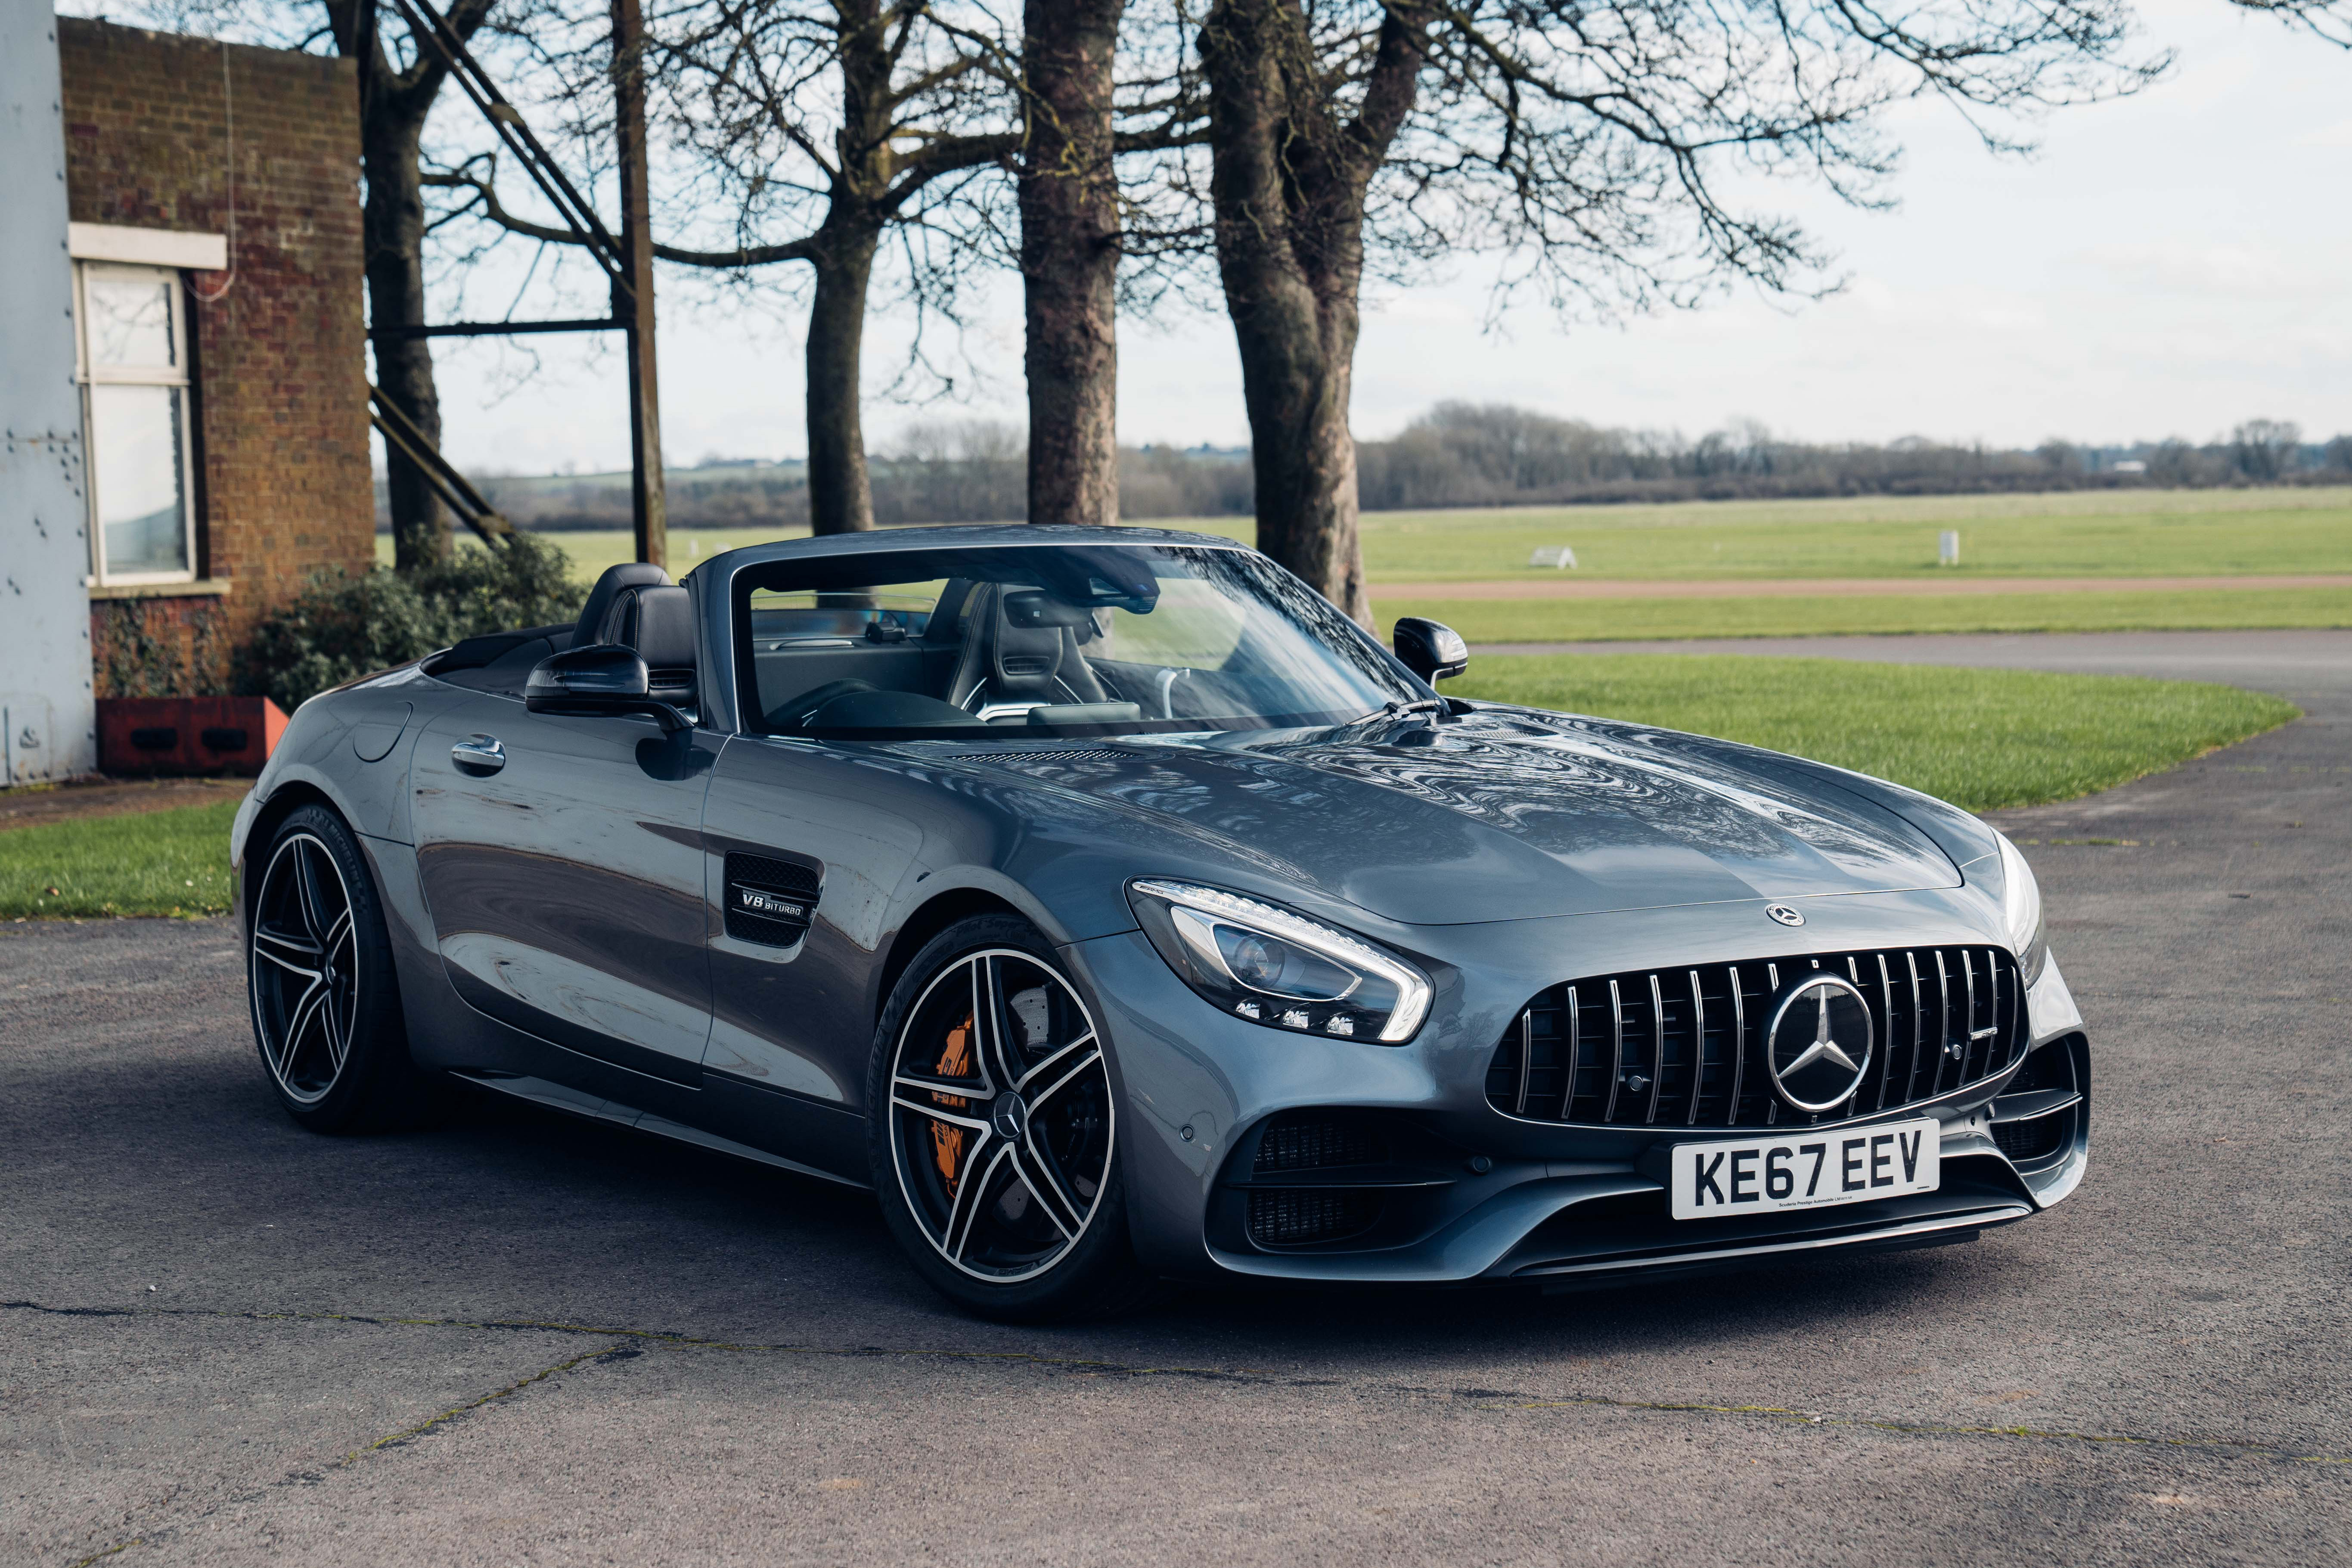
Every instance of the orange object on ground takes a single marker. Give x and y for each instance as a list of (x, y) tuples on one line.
[(187, 734)]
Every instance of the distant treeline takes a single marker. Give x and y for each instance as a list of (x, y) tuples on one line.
[(1461, 454), (1457, 455)]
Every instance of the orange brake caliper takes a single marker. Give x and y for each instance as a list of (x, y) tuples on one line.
[(947, 1142)]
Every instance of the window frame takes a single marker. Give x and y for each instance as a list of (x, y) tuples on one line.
[(88, 376)]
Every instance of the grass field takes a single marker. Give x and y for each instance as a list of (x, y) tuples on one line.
[(2103, 533), (1978, 738), (153, 863), (1622, 620)]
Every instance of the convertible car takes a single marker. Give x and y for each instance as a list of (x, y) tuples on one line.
[(1114, 909)]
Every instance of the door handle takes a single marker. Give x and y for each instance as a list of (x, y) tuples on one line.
[(480, 755)]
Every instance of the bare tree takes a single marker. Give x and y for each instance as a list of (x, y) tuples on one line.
[(2263, 450), (396, 97), (1069, 259), (818, 129), (2328, 19), (1596, 143)]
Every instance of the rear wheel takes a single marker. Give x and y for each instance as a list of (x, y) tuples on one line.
[(994, 1136), (318, 971)]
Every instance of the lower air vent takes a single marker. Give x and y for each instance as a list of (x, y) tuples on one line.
[(1300, 1217), (1317, 1144), (2027, 1142)]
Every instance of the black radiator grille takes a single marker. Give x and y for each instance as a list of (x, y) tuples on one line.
[(2026, 1141), (1685, 1047), (1292, 1144), (1301, 1216)]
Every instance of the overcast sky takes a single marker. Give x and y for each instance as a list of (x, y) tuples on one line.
[(2168, 265)]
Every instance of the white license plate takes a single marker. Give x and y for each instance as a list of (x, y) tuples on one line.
[(1805, 1170)]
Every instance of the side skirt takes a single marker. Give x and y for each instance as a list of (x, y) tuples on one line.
[(557, 1096)]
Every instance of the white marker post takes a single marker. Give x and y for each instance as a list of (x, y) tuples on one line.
[(1948, 548)]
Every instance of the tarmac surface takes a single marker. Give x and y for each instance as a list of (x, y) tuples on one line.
[(522, 1340)]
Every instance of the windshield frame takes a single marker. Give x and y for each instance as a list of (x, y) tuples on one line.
[(738, 575)]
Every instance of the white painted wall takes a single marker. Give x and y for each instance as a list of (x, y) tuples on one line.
[(51, 722)]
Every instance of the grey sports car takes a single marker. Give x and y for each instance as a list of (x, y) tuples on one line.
[(1115, 909)]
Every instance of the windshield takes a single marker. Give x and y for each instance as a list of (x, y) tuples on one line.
[(1063, 639)]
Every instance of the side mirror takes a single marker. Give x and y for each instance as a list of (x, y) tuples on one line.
[(1431, 649), (607, 677)]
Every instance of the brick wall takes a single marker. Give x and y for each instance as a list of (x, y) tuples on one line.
[(278, 356)]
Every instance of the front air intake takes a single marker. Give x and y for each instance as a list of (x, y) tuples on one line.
[(1301, 1216), (1303, 1144)]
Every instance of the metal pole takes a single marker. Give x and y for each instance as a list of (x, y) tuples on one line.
[(635, 308)]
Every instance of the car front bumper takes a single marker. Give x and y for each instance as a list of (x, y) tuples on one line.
[(1474, 1194)]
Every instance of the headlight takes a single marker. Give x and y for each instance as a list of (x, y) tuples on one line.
[(2021, 911), (1276, 967)]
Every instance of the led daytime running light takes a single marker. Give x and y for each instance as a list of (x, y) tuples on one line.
[(1411, 987)]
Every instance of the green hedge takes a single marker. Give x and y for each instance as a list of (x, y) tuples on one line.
[(346, 625)]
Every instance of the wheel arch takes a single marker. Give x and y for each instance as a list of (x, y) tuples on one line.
[(924, 921), (284, 800)]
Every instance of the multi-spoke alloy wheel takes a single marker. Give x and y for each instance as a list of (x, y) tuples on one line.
[(318, 968), (995, 1135), (305, 968), (1001, 1113)]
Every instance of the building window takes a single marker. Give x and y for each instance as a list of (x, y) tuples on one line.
[(135, 422)]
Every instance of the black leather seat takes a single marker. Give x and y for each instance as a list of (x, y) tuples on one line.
[(635, 605), (658, 622), (596, 616), (1004, 662)]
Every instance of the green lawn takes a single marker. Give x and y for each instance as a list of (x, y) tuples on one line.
[(1621, 620), (149, 863), (2102, 534), (1982, 739), (1978, 738)]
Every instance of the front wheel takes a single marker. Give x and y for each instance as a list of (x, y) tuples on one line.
[(319, 970), (994, 1135)]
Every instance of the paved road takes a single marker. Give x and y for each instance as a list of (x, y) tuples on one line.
[(519, 1340)]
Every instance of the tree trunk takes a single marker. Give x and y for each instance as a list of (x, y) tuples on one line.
[(393, 225), (1297, 350), (1287, 178), (841, 493), (1070, 260)]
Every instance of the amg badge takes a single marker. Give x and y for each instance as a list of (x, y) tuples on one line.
[(769, 901), (760, 901)]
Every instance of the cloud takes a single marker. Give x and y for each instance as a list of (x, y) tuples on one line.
[(2236, 271)]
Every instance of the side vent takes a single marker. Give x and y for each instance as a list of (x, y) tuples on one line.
[(769, 901)]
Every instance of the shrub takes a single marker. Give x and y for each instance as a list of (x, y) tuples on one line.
[(347, 624)]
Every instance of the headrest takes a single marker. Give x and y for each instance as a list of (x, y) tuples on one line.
[(658, 622), (592, 628), (1024, 657)]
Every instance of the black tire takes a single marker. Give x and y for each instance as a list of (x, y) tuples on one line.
[(319, 976), (1011, 1219)]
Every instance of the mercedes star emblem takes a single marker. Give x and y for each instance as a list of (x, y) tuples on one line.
[(1784, 914), (1819, 1042)]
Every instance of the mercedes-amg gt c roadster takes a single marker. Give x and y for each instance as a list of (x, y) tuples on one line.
[(1115, 909)]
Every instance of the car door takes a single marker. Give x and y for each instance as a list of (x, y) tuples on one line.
[(808, 851), (561, 860)]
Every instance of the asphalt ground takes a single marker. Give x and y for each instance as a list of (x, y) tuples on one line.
[(520, 1339)]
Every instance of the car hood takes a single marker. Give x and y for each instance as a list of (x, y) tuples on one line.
[(1501, 815)]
